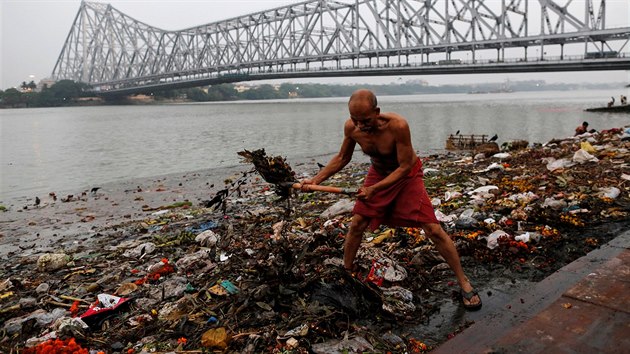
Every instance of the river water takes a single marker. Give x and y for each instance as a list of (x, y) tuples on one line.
[(57, 149)]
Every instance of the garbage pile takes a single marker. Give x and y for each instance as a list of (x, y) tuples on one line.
[(240, 274)]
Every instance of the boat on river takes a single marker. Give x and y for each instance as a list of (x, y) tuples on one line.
[(465, 142), (613, 109)]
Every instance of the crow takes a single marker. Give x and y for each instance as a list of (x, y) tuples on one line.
[(94, 190), (494, 137), (37, 201), (320, 165), (457, 132)]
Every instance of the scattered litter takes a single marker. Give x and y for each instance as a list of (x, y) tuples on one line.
[(240, 274)]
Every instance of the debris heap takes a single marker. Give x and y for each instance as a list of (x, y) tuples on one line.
[(247, 278)]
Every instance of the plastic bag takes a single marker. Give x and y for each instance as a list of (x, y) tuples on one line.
[(493, 238), (106, 303), (609, 192), (558, 164), (581, 156), (586, 146), (341, 207)]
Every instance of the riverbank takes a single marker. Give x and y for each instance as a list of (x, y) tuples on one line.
[(217, 262)]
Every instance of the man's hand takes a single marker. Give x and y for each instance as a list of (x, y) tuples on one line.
[(306, 182), (366, 193)]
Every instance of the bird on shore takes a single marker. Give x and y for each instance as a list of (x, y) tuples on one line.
[(457, 132), (320, 165), (494, 137), (37, 201), (94, 190)]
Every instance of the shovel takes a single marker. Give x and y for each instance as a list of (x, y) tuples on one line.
[(318, 188), (275, 170)]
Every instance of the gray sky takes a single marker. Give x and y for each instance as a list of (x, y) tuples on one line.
[(32, 33)]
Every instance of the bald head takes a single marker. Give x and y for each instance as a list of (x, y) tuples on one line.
[(363, 98), (364, 110)]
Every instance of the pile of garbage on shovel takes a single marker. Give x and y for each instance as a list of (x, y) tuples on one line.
[(241, 273)]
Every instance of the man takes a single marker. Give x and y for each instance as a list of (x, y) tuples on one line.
[(581, 129), (393, 192)]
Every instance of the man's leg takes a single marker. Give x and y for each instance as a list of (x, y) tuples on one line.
[(353, 239), (446, 248)]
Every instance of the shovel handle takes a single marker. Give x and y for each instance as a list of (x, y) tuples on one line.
[(318, 188)]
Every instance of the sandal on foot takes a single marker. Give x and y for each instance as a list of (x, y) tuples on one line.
[(355, 272), (468, 295)]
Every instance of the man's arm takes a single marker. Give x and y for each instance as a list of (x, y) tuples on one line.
[(338, 161), (406, 159)]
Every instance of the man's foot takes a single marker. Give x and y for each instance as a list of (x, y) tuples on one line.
[(471, 300), (354, 271)]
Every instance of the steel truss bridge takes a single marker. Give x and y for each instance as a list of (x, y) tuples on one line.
[(117, 54)]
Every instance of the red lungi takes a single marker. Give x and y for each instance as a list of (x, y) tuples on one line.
[(405, 203)]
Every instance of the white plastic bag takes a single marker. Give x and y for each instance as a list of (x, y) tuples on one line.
[(581, 156), (493, 238), (609, 192), (557, 164)]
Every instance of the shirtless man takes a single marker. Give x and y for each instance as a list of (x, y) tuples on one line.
[(581, 129), (393, 192)]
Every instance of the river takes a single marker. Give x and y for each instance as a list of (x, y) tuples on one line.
[(57, 149)]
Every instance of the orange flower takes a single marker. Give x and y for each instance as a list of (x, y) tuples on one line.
[(74, 309), (182, 341), (131, 351), (416, 346)]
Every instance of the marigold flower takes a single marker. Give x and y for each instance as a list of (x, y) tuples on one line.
[(74, 309)]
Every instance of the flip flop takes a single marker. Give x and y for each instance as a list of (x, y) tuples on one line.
[(468, 295), (356, 272)]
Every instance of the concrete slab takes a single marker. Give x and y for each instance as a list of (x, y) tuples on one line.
[(608, 286), (609, 264), (581, 328)]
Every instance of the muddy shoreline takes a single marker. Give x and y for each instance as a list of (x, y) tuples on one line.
[(284, 290), (26, 225)]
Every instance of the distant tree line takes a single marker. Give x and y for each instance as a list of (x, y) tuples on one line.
[(62, 93), (68, 93)]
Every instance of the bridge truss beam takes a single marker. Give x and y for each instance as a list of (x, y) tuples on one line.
[(114, 52)]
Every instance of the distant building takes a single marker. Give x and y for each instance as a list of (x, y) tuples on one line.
[(140, 98), (240, 88), (418, 82), (44, 83)]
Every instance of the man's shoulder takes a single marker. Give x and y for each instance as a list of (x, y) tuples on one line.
[(395, 120), (395, 117)]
